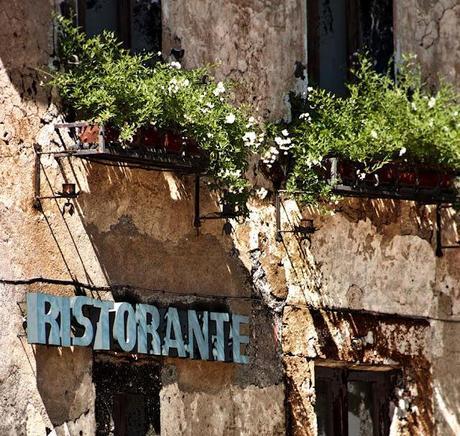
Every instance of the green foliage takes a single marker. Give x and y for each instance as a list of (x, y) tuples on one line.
[(377, 122), (105, 83)]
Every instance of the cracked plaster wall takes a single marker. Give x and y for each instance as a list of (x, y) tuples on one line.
[(132, 229), (430, 29), (377, 256), (135, 228)]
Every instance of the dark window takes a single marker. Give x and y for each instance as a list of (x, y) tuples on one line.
[(129, 414), (353, 403), (127, 398), (339, 28), (137, 23)]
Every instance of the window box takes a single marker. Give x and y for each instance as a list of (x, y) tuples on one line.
[(396, 180), (151, 147), (146, 137)]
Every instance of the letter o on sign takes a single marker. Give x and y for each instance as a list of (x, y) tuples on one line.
[(124, 328)]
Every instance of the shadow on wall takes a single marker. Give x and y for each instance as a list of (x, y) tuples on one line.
[(64, 380), (26, 45), (140, 224), (363, 240), (446, 370)]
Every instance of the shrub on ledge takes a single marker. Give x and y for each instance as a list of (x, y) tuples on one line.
[(104, 83)]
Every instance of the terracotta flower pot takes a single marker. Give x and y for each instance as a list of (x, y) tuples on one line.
[(347, 171), (172, 142), (89, 134), (149, 137)]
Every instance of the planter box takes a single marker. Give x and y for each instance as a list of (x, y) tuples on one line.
[(151, 148), (396, 180), (145, 138)]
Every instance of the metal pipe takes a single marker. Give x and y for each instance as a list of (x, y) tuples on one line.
[(37, 166), (438, 231), (197, 221), (278, 236)]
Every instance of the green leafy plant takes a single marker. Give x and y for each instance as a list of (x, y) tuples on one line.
[(379, 121), (104, 83)]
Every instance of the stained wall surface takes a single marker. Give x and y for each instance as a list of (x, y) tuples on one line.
[(132, 234)]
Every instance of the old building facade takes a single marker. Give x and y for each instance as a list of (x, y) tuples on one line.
[(364, 306)]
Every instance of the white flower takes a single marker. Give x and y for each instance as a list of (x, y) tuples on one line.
[(305, 116), (286, 145), (262, 192), (414, 106), (249, 138), (285, 132), (185, 82), (309, 89), (209, 105), (159, 53), (175, 64), (374, 134), (283, 143), (431, 102), (251, 122), (209, 135), (173, 86), (220, 89), (230, 119), (402, 151)]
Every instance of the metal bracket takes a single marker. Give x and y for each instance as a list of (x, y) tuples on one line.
[(439, 245), (305, 231), (37, 180), (223, 215)]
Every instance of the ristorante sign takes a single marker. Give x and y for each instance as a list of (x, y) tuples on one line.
[(139, 328)]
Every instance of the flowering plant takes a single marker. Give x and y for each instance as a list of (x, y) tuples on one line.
[(104, 83), (379, 121)]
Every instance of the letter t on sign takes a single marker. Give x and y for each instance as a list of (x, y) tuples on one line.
[(219, 319)]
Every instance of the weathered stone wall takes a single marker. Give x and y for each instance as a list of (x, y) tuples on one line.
[(133, 232), (429, 29), (132, 235), (254, 42), (375, 258)]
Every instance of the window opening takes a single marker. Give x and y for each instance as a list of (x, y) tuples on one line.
[(353, 402), (336, 29), (137, 23), (127, 397)]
